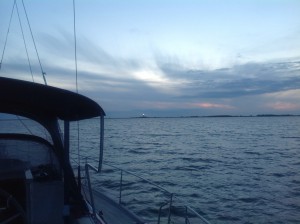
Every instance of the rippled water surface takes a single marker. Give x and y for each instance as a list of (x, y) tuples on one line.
[(232, 170)]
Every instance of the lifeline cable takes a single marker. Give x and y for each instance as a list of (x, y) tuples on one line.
[(75, 44), (12, 12), (76, 69), (25, 43), (43, 73)]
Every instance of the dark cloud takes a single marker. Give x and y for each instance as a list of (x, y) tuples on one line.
[(245, 87), (238, 81)]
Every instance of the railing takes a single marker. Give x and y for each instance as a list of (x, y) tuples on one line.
[(87, 174), (188, 210)]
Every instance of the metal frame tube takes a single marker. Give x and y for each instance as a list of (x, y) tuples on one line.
[(101, 143), (90, 187), (67, 140)]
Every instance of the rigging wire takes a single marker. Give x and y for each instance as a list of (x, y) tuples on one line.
[(11, 15), (24, 43), (75, 44), (12, 12), (43, 73), (76, 73), (20, 120)]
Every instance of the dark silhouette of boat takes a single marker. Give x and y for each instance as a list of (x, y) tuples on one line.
[(37, 182)]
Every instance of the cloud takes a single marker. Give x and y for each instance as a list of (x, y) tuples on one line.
[(163, 83), (185, 105), (89, 54), (211, 105), (238, 81), (288, 100), (284, 106), (285, 95)]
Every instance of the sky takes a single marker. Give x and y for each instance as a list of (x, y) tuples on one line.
[(162, 57)]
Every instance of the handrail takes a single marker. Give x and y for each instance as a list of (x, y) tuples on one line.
[(159, 211), (170, 206), (197, 214), (89, 166), (133, 174), (87, 173), (147, 181)]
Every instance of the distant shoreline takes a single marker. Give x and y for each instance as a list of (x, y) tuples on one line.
[(203, 116), (208, 116)]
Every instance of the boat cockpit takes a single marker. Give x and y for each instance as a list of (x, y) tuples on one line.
[(37, 183), (31, 186)]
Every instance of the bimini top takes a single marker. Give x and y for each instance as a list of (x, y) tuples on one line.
[(33, 99)]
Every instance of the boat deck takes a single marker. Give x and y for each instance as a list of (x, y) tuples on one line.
[(113, 212)]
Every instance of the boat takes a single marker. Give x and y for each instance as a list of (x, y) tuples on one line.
[(38, 181), (37, 184)]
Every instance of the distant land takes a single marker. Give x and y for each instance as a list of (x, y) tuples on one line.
[(207, 116), (168, 113), (13, 117)]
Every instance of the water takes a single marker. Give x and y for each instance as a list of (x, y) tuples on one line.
[(232, 170)]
